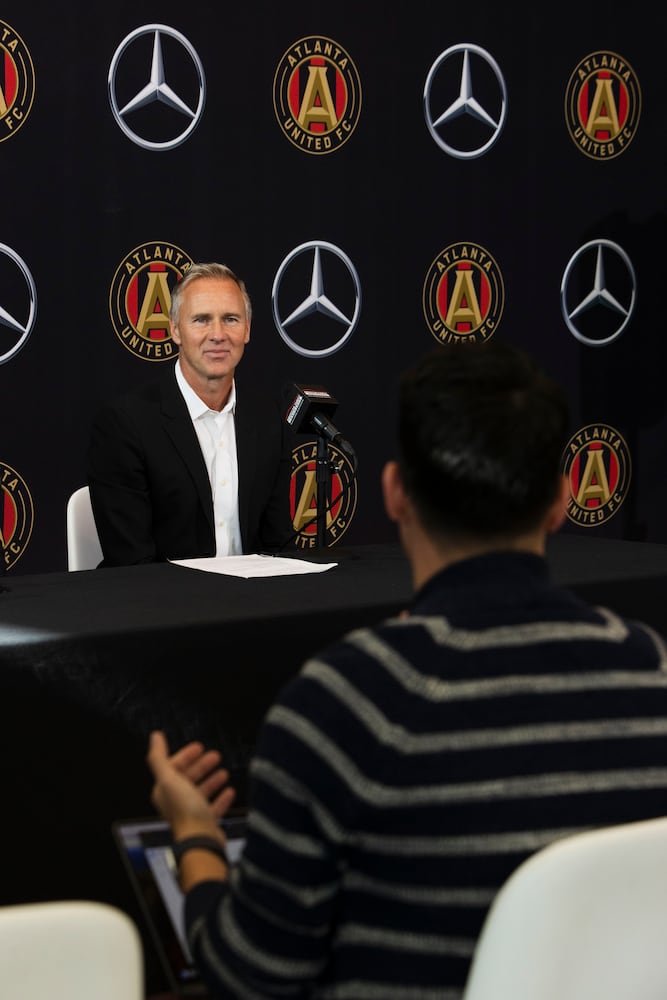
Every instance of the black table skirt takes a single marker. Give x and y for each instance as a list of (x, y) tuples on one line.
[(90, 662)]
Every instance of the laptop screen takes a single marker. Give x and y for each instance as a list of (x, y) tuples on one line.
[(145, 848)]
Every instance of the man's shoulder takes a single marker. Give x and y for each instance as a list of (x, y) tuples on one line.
[(252, 400), (367, 645), (145, 394), (423, 641)]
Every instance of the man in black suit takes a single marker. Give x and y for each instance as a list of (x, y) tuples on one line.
[(183, 468)]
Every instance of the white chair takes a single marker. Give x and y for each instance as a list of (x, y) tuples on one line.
[(70, 950), (582, 919), (83, 545)]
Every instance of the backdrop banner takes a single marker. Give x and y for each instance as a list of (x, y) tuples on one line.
[(386, 179)]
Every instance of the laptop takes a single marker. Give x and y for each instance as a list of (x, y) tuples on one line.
[(146, 852)]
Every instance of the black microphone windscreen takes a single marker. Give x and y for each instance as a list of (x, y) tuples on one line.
[(303, 401)]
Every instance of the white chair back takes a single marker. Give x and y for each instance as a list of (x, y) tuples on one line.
[(83, 545), (583, 918), (69, 950)]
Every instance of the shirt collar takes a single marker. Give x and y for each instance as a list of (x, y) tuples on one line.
[(196, 406), (492, 573)]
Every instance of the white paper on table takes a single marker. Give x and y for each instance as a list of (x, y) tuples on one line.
[(253, 565)]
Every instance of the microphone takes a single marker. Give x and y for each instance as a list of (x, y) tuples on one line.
[(310, 407)]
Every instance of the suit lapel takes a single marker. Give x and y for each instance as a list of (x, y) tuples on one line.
[(178, 425), (246, 450)]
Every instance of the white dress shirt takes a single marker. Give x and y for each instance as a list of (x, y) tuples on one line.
[(218, 444)]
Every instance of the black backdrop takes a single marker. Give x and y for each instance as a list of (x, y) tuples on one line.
[(80, 197)]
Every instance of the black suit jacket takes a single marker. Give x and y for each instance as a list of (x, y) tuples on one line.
[(149, 485)]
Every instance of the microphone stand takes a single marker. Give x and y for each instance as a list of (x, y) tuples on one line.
[(323, 484)]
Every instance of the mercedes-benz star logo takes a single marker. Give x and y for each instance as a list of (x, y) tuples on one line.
[(593, 313), (166, 106), (317, 316), (462, 128), (17, 316)]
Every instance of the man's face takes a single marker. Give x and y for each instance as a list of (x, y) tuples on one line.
[(212, 329)]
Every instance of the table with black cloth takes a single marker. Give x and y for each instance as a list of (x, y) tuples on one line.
[(91, 661)]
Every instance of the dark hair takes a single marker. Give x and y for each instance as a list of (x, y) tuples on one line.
[(481, 436), (209, 270)]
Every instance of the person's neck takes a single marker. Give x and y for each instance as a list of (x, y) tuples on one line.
[(428, 557), (214, 392)]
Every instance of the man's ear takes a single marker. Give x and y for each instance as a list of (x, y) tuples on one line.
[(175, 335), (558, 511), (393, 492)]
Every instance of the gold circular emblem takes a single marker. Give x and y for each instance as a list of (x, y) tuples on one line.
[(17, 515), (17, 82), (303, 495), (317, 95), (597, 463), (463, 295), (140, 299), (602, 105)]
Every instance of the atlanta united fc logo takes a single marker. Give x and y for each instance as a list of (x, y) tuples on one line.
[(597, 463), (317, 95), (16, 515), (602, 105), (17, 82), (303, 496), (463, 295), (140, 299)]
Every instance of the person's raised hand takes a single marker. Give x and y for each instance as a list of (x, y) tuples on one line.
[(191, 789)]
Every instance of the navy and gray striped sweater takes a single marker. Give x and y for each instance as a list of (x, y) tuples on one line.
[(408, 769)]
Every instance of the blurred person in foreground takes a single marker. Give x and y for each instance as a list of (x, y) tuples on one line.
[(410, 767), (186, 466)]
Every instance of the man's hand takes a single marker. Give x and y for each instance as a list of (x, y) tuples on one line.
[(190, 790)]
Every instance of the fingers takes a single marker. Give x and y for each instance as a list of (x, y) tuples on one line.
[(198, 768), (201, 766), (213, 782), (158, 751), (222, 802)]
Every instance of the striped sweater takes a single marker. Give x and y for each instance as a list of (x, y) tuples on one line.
[(409, 768)]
